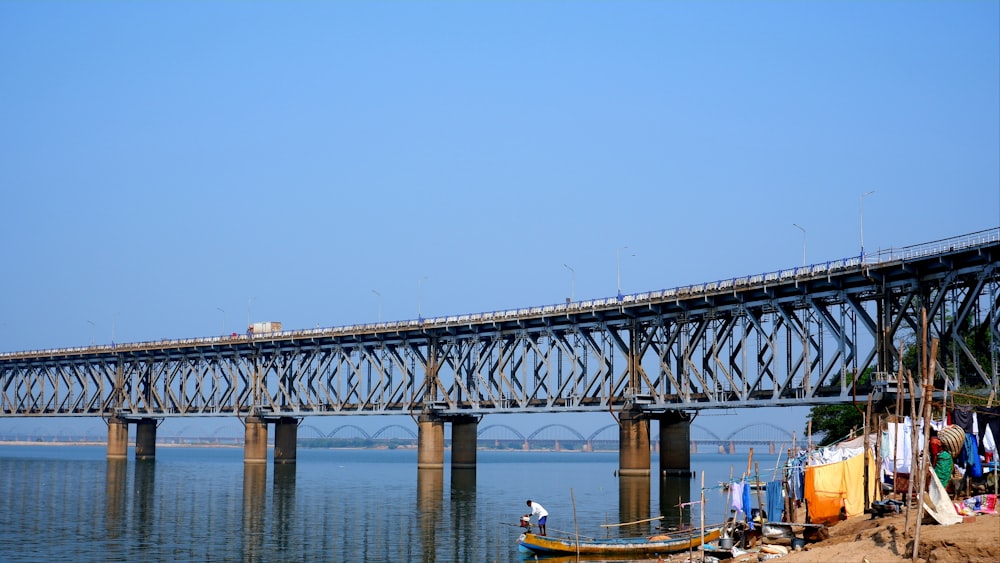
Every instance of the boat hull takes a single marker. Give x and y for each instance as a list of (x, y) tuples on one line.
[(655, 545)]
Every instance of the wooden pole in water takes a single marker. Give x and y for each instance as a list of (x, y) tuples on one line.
[(702, 514), (576, 525)]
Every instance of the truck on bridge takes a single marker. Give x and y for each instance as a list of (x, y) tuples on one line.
[(264, 327)]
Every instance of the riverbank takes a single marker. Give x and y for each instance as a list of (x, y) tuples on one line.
[(881, 540)]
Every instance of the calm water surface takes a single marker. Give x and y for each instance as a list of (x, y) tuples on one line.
[(68, 503)]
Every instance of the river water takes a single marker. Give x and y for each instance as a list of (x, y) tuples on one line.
[(197, 504)]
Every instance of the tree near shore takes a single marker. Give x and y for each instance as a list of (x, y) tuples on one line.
[(831, 423)]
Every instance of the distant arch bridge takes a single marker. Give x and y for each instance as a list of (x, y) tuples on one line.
[(750, 435)]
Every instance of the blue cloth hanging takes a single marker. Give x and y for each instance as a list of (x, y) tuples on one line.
[(970, 453), (746, 504), (775, 502)]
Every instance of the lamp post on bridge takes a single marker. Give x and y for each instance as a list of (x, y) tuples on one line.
[(379, 304), (572, 283), (619, 268), (93, 331), (861, 222), (420, 291), (803, 242), (223, 319)]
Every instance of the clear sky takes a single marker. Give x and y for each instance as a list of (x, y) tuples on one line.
[(175, 169)]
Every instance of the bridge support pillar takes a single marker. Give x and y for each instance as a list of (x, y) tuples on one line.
[(255, 440), (286, 430), (464, 434), (145, 439), (430, 442), (633, 444), (117, 438), (675, 444)]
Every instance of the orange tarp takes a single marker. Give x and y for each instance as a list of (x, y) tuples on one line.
[(833, 486)]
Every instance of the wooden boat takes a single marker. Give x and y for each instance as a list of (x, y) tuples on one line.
[(659, 544), (754, 485)]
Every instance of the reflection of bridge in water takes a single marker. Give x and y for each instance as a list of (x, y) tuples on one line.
[(555, 436)]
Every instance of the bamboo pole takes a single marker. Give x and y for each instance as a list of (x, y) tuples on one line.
[(576, 525), (760, 505), (925, 465), (865, 428), (913, 451), (898, 420), (702, 514), (643, 521), (726, 509)]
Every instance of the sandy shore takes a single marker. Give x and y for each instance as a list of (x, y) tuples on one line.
[(882, 540)]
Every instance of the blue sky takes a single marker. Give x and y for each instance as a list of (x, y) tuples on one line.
[(173, 169)]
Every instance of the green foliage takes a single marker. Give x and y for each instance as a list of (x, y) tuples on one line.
[(831, 423)]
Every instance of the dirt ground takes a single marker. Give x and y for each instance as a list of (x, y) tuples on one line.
[(864, 540)]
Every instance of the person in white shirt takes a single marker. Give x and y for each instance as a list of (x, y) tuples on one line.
[(542, 514)]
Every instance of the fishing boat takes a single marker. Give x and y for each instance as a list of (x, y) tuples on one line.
[(754, 485), (659, 544)]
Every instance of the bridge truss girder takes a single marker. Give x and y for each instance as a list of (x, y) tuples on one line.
[(792, 341)]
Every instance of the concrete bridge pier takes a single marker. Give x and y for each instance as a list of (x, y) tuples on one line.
[(675, 444), (286, 431), (633, 444), (145, 438), (117, 438), (464, 431), (255, 440), (430, 442)]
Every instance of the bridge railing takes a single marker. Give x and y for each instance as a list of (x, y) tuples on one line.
[(942, 246), (979, 238)]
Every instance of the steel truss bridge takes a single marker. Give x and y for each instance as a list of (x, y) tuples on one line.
[(791, 337)]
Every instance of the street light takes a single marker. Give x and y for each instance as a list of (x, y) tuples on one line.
[(379, 305), (93, 330), (572, 284), (803, 242), (420, 290), (249, 302), (223, 319), (861, 222), (620, 248)]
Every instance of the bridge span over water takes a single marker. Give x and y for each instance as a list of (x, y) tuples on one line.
[(790, 337)]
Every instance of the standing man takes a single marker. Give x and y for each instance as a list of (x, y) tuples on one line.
[(542, 514)]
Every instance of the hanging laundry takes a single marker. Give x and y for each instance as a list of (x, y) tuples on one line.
[(775, 501), (970, 457), (747, 505), (838, 487), (964, 417), (896, 450), (737, 496), (989, 428)]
